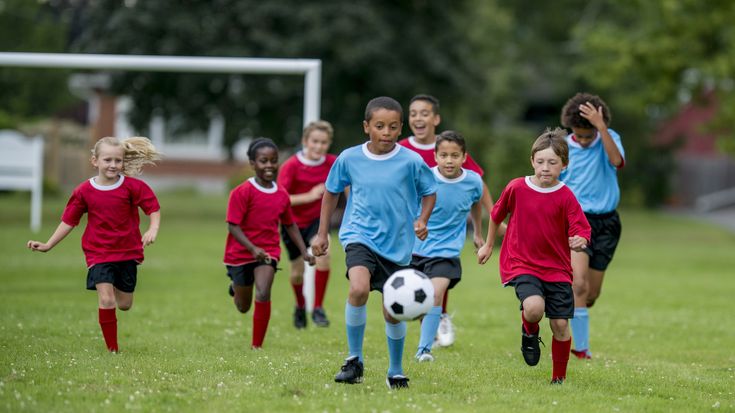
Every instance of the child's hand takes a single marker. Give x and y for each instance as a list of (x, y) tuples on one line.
[(478, 241), (317, 191), (309, 258), (588, 111), (319, 245), (38, 246), (260, 255), (149, 237), (419, 227), (484, 253), (577, 243)]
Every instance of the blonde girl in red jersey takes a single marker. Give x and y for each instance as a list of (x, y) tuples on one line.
[(112, 243)]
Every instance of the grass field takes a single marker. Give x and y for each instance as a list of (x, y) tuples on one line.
[(662, 333)]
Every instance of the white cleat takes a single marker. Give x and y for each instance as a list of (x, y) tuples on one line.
[(445, 333)]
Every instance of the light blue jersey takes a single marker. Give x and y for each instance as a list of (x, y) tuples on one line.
[(448, 222), (385, 194), (591, 176)]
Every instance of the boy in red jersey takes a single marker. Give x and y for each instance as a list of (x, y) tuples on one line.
[(423, 118), (253, 247), (546, 222), (112, 244), (303, 176)]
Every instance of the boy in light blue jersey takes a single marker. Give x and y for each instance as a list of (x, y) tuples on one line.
[(459, 191), (595, 155), (379, 226)]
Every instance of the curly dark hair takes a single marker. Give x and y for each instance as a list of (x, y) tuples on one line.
[(570, 115)]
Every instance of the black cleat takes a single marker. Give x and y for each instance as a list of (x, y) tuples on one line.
[(399, 381), (230, 291), (530, 347), (558, 380), (319, 317), (350, 372), (299, 318)]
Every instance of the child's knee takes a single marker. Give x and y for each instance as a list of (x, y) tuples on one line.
[(242, 306), (533, 308), (297, 277), (359, 294), (124, 306), (262, 296), (560, 328)]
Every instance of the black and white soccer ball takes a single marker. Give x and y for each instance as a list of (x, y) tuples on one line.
[(408, 294)]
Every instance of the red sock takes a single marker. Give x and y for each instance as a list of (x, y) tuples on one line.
[(531, 328), (108, 323), (320, 287), (298, 290), (261, 317), (560, 357), (444, 301)]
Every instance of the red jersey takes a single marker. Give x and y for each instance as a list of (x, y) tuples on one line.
[(298, 175), (257, 210), (427, 153), (541, 222), (112, 232)]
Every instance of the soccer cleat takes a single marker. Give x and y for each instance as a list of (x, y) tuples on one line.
[(299, 318), (350, 372), (424, 355), (230, 291), (530, 347), (557, 380), (399, 381), (445, 333), (319, 317), (582, 354)]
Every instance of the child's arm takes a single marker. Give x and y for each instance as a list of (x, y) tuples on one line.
[(314, 194), (487, 202), (577, 243), (321, 242), (61, 232), (476, 218), (484, 253), (258, 253), (150, 236), (293, 232), (419, 226), (594, 116)]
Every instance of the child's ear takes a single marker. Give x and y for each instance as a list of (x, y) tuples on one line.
[(437, 120), (366, 127)]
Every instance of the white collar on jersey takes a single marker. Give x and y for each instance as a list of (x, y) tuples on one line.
[(260, 188), (443, 178), (424, 146), (107, 187), (541, 189), (574, 143), (309, 162), (382, 157)]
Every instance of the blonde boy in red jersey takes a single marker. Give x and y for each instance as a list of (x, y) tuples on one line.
[(546, 222)]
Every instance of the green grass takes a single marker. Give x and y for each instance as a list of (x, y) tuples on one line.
[(662, 332)]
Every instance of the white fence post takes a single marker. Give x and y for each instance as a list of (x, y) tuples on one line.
[(21, 168)]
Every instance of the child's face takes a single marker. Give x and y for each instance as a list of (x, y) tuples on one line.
[(265, 164), (584, 136), (109, 162), (316, 144), (449, 158), (383, 130), (422, 120), (547, 167)]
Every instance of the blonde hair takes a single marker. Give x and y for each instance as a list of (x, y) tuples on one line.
[(137, 152), (321, 125), (554, 139)]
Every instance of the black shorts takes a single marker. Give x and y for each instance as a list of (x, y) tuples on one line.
[(244, 275), (306, 233), (558, 297), (380, 268), (439, 267), (606, 230), (121, 274)]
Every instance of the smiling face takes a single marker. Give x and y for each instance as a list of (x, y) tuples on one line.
[(423, 121), (316, 144), (383, 128), (547, 166), (109, 163), (265, 165), (449, 159)]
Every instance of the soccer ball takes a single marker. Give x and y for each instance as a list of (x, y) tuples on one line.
[(408, 294)]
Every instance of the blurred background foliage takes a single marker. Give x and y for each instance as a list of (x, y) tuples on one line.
[(502, 69)]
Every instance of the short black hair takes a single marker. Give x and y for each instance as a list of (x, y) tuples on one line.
[(260, 143), (382, 102), (451, 136), (570, 114), (427, 98)]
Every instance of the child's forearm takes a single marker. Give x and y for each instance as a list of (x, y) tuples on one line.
[(301, 199), (329, 203), (487, 199), (155, 220), (492, 230), (611, 149), (59, 234), (240, 236), (427, 205)]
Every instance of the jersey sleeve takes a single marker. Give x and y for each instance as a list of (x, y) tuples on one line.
[(338, 177), (286, 175), (75, 208), (473, 166), (502, 205), (236, 206), (578, 224), (144, 198), (426, 184)]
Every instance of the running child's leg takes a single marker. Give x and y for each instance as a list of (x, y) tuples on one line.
[(321, 278), (533, 311), (243, 297), (560, 346), (430, 323), (264, 275), (356, 309), (106, 314), (580, 323), (124, 300), (297, 284), (395, 332)]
